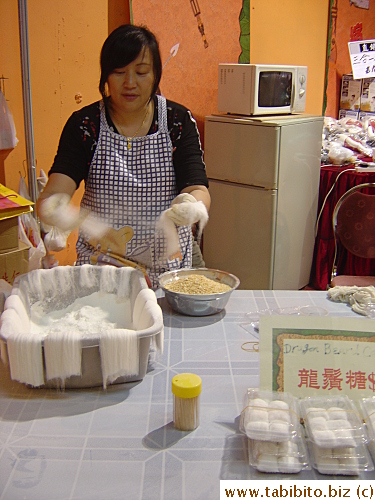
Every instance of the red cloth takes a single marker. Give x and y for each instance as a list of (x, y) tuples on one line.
[(324, 249)]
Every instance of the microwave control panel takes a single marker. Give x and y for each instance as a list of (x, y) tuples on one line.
[(300, 90)]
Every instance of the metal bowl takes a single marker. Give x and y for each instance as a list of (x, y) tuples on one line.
[(198, 304)]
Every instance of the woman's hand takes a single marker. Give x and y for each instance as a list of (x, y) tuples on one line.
[(55, 210), (186, 210)]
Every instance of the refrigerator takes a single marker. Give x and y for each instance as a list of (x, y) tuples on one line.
[(264, 183)]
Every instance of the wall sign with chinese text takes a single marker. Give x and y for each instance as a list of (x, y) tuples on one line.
[(317, 356), (362, 58)]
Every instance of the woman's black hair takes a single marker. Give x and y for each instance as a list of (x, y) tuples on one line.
[(122, 47)]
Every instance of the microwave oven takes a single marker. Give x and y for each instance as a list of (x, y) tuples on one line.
[(261, 89)]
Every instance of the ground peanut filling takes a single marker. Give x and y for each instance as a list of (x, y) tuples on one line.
[(196, 284)]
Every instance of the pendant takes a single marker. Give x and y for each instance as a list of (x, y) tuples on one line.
[(129, 144)]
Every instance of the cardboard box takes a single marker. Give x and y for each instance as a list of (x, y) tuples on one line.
[(14, 263), (368, 95), (348, 113), (350, 92), (363, 115), (8, 234)]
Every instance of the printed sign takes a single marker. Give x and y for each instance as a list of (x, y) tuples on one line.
[(318, 356), (362, 58)]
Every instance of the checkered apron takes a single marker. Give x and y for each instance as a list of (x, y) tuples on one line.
[(129, 188)]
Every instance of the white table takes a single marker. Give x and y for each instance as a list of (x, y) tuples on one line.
[(121, 443)]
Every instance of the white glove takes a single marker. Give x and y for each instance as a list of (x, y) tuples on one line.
[(186, 210), (57, 211), (183, 197)]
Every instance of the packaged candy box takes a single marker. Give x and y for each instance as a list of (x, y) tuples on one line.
[(332, 422), (368, 410), (343, 461), (269, 416), (367, 406), (287, 457), (337, 437)]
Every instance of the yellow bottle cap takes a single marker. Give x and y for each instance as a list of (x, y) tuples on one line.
[(186, 385)]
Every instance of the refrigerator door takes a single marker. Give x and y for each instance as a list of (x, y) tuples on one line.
[(236, 150), (298, 193), (239, 237)]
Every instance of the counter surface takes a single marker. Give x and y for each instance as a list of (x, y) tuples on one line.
[(121, 443)]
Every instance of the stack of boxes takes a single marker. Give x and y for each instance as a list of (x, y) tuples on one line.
[(367, 107), (357, 98), (14, 254)]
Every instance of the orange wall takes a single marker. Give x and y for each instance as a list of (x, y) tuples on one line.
[(191, 76), (285, 32), (65, 37), (292, 32)]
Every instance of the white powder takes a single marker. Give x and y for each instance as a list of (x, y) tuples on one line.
[(92, 314)]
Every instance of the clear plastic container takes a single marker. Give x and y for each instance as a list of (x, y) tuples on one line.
[(332, 422), (288, 457), (269, 416), (186, 389), (344, 461), (367, 406), (368, 411)]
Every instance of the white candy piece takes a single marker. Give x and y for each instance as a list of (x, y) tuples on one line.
[(315, 413), (335, 413), (288, 448), (321, 452), (327, 465), (325, 438), (344, 452), (265, 448), (345, 438), (289, 464), (350, 463), (267, 463), (281, 405), (258, 402), (318, 424), (281, 415), (280, 430), (253, 428), (349, 469), (338, 424), (256, 415)]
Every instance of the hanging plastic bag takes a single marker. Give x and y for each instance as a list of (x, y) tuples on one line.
[(41, 181), (8, 139), (55, 240), (29, 233)]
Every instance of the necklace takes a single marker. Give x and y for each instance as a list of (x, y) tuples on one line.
[(129, 139)]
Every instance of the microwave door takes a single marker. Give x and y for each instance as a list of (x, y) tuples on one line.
[(273, 91)]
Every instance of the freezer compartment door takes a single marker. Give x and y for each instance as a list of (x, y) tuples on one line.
[(239, 236), (242, 152)]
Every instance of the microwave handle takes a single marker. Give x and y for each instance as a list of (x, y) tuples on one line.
[(293, 97)]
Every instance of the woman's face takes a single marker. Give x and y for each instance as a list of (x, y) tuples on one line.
[(130, 87)]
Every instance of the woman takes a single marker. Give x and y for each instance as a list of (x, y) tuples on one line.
[(139, 155)]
